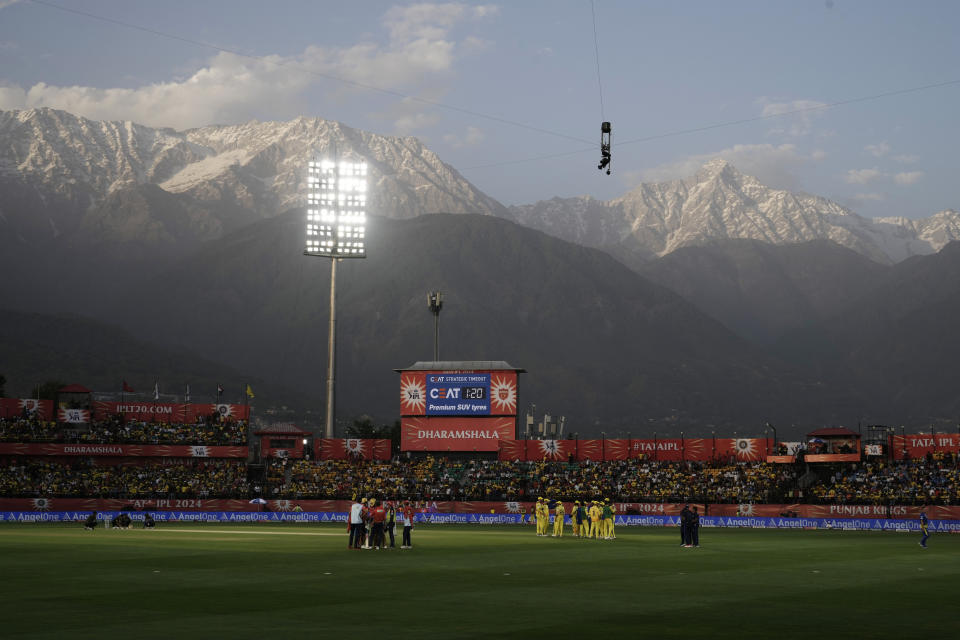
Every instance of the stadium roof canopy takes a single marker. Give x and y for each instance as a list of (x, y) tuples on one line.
[(284, 428), (462, 365), (74, 388), (833, 432)]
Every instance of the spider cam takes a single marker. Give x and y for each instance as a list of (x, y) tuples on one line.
[(605, 142)]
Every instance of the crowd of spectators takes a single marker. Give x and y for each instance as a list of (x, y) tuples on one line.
[(922, 481), (625, 480), (930, 480), (174, 478), (934, 479), (429, 478), (115, 430), (28, 429)]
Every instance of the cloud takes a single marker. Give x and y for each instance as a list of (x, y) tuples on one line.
[(795, 117), (428, 21), (418, 57), (473, 136), (862, 176), (869, 197), (230, 88), (907, 159), (6, 3), (909, 177), (878, 150), (408, 123), (773, 165)]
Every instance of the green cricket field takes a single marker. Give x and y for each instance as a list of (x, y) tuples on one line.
[(472, 581)]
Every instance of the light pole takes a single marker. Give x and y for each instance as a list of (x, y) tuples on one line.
[(336, 229), (435, 302), (774, 429)]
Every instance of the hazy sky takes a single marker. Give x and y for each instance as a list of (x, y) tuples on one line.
[(665, 67)]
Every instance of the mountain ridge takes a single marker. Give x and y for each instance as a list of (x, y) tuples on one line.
[(719, 202)]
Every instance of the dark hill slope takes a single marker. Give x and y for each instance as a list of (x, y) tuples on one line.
[(760, 290), (602, 345)]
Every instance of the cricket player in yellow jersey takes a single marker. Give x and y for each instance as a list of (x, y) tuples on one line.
[(559, 511), (613, 516), (573, 518), (594, 521), (541, 530), (606, 511)]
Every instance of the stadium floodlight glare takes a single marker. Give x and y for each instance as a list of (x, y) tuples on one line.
[(336, 229), (336, 209)]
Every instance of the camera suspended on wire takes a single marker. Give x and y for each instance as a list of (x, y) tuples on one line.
[(606, 133)]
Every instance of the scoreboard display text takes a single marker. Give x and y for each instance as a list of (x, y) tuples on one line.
[(458, 394)]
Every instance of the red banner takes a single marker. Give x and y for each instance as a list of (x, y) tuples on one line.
[(25, 407), (781, 459), (455, 434), (107, 504), (122, 450), (919, 445), (743, 449), (549, 449), (169, 412), (589, 450), (382, 448), (346, 448), (616, 449), (832, 457), (659, 449), (513, 450)]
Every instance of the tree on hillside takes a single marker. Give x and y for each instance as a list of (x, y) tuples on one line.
[(364, 427), (48, 390)]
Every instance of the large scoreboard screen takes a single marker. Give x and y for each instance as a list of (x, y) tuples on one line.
[(458, 394), (457, 410)]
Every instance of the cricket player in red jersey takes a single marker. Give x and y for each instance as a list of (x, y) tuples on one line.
[(378, 516)]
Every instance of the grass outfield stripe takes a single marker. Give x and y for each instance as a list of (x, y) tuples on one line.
[(463, 581)]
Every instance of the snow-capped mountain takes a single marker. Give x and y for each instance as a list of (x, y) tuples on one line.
[(91, 183), (719, 202), (61, 174)]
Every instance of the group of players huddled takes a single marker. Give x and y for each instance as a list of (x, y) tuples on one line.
[(369, 524), (589, 519)]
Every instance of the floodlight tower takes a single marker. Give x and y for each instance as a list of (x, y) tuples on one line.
[(336, 229), (435, 302)]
